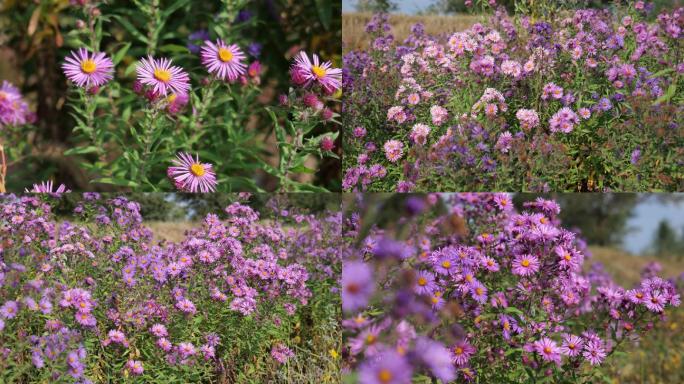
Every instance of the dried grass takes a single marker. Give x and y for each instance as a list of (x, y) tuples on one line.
[(354, 26)]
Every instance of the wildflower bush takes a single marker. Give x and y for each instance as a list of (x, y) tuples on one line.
[(545, 100), (466, 288), (239, 299), (162, 95)]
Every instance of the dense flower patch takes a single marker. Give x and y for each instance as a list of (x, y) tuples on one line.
[(97, 300), (483, 293), (587, 100)]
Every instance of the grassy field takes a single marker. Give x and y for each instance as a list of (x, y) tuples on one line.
[(354, 26), (659, 357)]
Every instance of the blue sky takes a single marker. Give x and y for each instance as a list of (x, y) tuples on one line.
[(645, 222), (405, 6)]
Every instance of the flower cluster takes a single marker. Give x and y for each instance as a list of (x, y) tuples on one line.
[(483, 292), (518, 104), (13, 108), (104, 285)]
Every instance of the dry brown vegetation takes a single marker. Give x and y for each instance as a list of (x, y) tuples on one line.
[(354, 26), (170, 230), (625, 268)]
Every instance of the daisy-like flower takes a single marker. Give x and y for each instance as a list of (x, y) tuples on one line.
[(47, 187), (87, 69), (425, 283), (461, 352), (388, 368), (572, 345), (594, 352), (525, 265), (357, 285), (9, 310), (162, 76), (306, 72), (548, 349), (225, 61), (135, 367), (479, 292), (190, 175), (394, 149), (655, 302)]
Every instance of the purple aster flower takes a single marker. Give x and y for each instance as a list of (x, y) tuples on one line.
[(655, 301), (9, 310), (389, 367), (436, 357), (186, 350), (189, 175), (135, 367), (425, 283), (594, 352), (548, 349), (306, 72), (88, 70), (159, 330), (525, 265), (479, 292), (225, 61), (636, 155), (196, 40), (162, 76), (281, 353), (357, 285), (461, 352), (47, 187), (572, 345)]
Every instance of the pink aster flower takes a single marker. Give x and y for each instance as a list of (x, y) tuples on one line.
[(394, 149), (47, 187), (548, 349), (190, 175), (87, 69), (438, 114), (462, 352), (419, 133), (525, 265), (316, 72), (594, 352), (572, 345), (162, 76), (135, 367), (225, 61)]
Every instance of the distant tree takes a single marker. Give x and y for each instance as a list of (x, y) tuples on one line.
[(376, 6), (665, 242)]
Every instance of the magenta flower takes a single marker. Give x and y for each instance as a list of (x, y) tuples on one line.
[(189, 175), (357, 285), (225, 61), (525, 265), (548, 349), (47, 187), (461, 352), (572, 345), (306, 72), (9, 310), (425, 283), (88, 70), (162, 76), (594, 352), (135, 367), (13, 108)]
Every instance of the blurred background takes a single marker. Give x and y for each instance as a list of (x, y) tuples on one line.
[(36, 35)]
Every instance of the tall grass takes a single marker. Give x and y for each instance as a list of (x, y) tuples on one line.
[(354, 26)]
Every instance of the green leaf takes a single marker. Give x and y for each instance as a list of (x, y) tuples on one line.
[(174, 7), (668, 95), (324, 9), (131, 29), (81, 150), (116, 181), (119, 55), (302, 169)]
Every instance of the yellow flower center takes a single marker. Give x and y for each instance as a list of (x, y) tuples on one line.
[(197, 170), (370, 339), (478, 290), (469, 278), (571, 346), (547, 350), (525, 263), (385, 376), (88, 66), (567, 257), (162, 75), (458, 350), (446, 264), (172, 97), (225, 55), (318, 71), (422, 281)]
